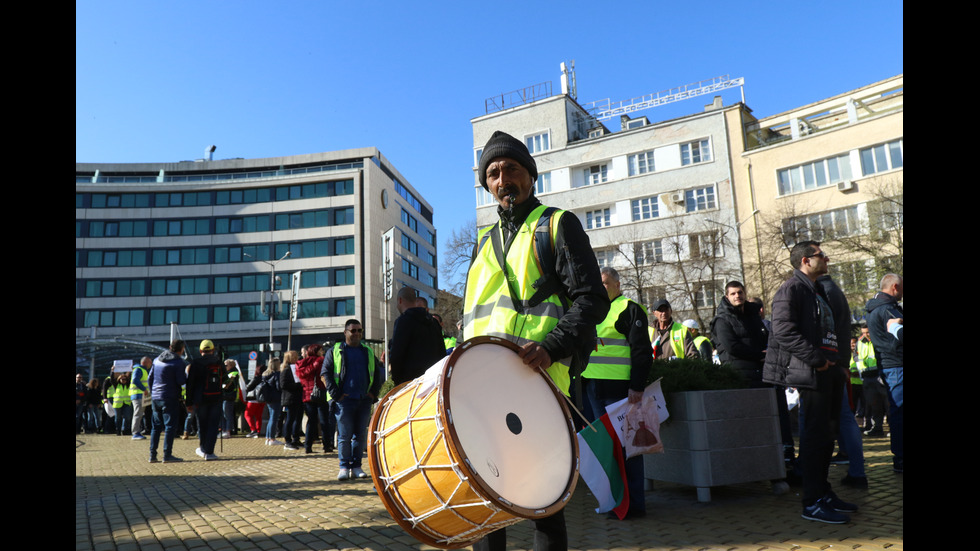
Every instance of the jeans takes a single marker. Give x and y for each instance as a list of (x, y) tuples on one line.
[(634, 465), (850, 440), (894, 380), (318, 415), (353, 416), (208, 420), (165, 419), (290, 429), (228, 407), (274, 410), (124, 418), (820, 409), (190, 423)]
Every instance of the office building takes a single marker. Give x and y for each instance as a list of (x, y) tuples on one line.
[(196, 243)]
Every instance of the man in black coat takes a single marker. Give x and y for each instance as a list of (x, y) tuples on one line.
[(803, 350), (739, 334), (416, 341)]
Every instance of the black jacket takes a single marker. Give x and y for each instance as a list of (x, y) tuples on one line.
[(292, 390), (416, 344), (580, 285), (741, 338), (795, 342), (889, 351)]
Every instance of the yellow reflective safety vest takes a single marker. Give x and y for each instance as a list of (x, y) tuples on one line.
[(120, 396), (611, 360), (678, 334), (338, 365), (140, 374), (497, 299), (856, 368), (866, 353)]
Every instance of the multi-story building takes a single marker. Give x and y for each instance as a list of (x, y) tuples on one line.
[(656, 199), (831, 171), (196, 243)]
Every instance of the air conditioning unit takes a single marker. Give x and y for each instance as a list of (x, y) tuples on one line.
[(677, 197), (846, 185)]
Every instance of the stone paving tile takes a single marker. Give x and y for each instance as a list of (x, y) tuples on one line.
[(259, 498)]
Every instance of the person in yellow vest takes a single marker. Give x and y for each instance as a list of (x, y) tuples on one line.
[(138, 395), (122, 403), (706, 349), (534, 281), (857, 388), (447, 340), (353, 380), (619, 369), (670, 338), (874, 391)]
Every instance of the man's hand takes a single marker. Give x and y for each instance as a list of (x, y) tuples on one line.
[(893, 321), (826, 366), (634, 397), (534, 356)]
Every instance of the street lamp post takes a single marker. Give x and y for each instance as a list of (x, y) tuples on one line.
[(272, 292)]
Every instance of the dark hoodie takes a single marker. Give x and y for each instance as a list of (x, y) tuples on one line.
[(889, 351), (416, 344), (166, 376), (741, 338)]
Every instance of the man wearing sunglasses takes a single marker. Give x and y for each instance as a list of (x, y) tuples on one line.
[(353, 379), (803, 351)]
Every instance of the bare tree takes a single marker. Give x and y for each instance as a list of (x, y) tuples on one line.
[(456, 256)]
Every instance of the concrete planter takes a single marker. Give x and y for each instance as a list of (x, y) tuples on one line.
[(719, 437)]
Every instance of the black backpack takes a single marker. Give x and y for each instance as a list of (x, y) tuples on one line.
[(212, 380)]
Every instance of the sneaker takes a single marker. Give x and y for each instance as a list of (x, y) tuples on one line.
[(185, 436), (838, 504), (253, 434), (289, 446), (226, 434), (821, 512), (172, 459), (840, 459), (898, 464), (138, 437), (275, 442), (356, 472), (344, 474), (859, 482), (199, 452), (210, 457), (874, 433), (154, 460)]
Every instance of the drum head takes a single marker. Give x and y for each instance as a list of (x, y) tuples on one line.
[(510, 425)]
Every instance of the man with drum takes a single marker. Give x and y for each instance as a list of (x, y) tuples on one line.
[(619, 369), (533, 280)]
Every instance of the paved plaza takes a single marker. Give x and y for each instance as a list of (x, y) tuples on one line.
[(258, 497)]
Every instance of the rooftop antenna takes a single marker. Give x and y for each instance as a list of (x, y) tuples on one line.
[(568, 80)]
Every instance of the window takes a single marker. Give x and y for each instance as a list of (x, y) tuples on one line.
[(814, 175), (705, 245), (537, 143), (695, 152), (543, 183), (853, 277), (410, 269), (650, 294), (648, 252), (822, 226), (597, 174), (646, 208), (641, 163), (700, 199), (605, 257), (597, 219), (882, 157), (707, 294), (477, 155), (410, 245)]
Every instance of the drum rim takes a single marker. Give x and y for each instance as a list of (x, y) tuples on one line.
[(499, 500)]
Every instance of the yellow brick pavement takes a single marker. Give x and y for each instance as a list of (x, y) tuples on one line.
[(258, 497)]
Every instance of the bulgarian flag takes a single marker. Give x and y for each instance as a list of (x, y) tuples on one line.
[(601, 466)]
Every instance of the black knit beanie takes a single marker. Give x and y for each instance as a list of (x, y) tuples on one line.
[(502, 144)]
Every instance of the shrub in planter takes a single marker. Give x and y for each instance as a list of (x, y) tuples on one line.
[(687, 374)]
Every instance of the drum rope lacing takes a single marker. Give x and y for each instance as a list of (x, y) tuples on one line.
[(417, 521)]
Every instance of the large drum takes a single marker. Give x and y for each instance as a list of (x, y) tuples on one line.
[(479, 442)]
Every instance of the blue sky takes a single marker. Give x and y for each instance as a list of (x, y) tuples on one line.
[(160, 81)]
